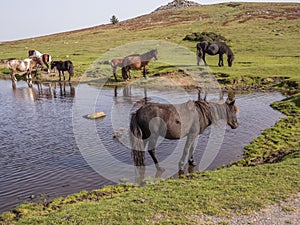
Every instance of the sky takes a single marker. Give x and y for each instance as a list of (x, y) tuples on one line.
[(33, 18)]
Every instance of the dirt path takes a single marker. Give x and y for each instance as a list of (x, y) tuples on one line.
[(285, 212)]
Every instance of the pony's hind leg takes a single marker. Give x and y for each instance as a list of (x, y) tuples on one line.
[(188, 149), (221, 63)]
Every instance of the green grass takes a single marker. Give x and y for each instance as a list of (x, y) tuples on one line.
[(264, 48)]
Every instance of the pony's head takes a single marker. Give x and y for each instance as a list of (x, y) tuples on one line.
[(53, 64), (232, 111), (36, 60), (230, 59), (154, 53)]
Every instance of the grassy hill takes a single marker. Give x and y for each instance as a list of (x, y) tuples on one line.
[(263, 36)]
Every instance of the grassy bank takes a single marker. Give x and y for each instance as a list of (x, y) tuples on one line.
[(238, 189)]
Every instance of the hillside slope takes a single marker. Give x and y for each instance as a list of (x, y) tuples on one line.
[(263, 36)]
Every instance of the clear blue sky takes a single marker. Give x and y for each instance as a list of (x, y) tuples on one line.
[(31, 18)]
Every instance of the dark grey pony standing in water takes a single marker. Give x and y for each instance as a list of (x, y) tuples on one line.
[(154, 120), (214, 48)]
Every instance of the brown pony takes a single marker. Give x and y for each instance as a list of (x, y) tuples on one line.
[(46, 58), (136, 62), (26, 65)]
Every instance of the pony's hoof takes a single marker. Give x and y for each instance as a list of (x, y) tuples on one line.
[(191, 168), (159, 172), (180, 173)]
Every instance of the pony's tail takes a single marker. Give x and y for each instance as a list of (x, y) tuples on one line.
[(136, 142), (71, 70)]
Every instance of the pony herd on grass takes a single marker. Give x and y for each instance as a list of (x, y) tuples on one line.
[(34, 61), (140, 61)]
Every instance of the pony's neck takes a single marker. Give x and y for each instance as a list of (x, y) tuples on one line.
[(218, 111), (229, 53), (204, 114)]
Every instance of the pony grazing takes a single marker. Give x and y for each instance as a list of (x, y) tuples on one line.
[(26, 65), (154, 120), (214, 48), (136, 62), (62, 66), (46, 58)]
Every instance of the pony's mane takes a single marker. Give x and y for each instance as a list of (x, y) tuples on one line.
[(218, 111), (204, 109)]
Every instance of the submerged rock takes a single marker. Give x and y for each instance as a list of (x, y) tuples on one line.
[(95, 115)]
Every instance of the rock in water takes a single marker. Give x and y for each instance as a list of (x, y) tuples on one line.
[(95, 115)]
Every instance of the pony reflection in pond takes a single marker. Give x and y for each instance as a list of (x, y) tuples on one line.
[(154, 120), (136, 62), (214, 48)]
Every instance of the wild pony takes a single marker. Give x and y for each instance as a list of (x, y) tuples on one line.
[(46, 58), (117, 62), (62, 66), (136, 62), (154, 120), (26, 65), (214, 48)]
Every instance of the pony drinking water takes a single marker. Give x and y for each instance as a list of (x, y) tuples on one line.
[(136, 62), (190, 119), (26, 65), (214, 48), (45, 57)]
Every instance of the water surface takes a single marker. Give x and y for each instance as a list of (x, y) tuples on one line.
[(41, 149)]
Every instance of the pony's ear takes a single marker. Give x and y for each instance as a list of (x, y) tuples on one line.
[(231, 95), (230, 103)]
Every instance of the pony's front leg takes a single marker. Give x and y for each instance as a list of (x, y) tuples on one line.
[(59, 73), (203, 58), (144, 72), (13, 80), (114, 70)]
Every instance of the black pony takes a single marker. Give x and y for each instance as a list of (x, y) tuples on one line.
[(62, 66), (214, 48)]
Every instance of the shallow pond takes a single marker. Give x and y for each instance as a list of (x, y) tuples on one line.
[(48, 148)]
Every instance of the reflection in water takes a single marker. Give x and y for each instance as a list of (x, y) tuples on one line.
[(38, 150), (46, 90)]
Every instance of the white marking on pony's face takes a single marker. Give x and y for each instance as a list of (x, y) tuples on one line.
[(37, 53)]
